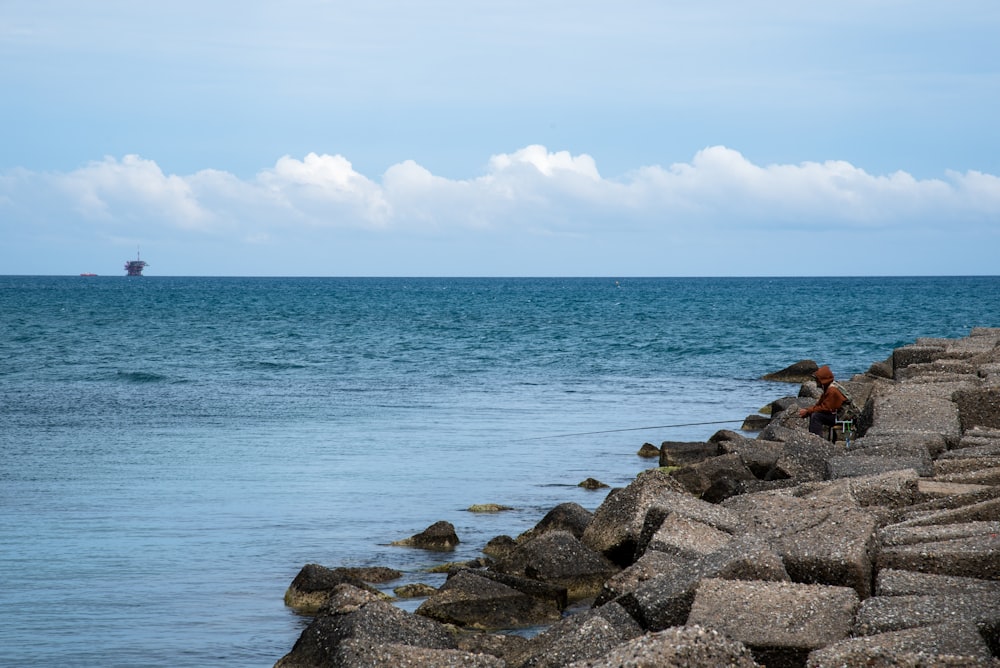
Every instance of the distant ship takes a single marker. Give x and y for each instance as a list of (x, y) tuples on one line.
[(88, 274), (135, 267)]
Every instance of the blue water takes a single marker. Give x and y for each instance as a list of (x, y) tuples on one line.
[(173, 450)]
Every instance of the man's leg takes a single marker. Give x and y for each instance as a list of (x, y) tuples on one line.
[(819, 419)]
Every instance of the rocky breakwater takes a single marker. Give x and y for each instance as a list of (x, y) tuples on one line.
[(786, 549)]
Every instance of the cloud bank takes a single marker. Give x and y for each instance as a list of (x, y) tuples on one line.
[(531, 193)]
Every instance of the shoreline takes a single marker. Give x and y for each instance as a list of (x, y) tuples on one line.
[(883, 549)]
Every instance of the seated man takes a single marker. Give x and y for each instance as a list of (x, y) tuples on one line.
[(824, 412)]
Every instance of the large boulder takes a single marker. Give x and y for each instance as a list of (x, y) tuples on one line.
[(781, 622), (821, 540), (353, 614), (582, 636), (365, 654), (439, 536), (687, 538), (559, 558), (470, 600), (800, 372), (571, 517), (881, 614), (664, 600), (684, 506), (314, 584), (692, 646), (714, 479), (893, 582), (617, 523), (959, 640), (683, 453), (969, 549)]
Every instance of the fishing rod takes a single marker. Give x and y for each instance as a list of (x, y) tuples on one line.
[(613, 431)]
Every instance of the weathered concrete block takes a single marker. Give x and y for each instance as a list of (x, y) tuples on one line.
[(683, 505), (364, 654), (687, 538), (983, 511), (559, 558), (376, 622), (477, 602), (570, 517), (692, 646), (966, 549), (960, 639), (892, 582), (680, 453), (821, 540), (647, 567), (916, 410), (881, 614), (585, 635), (932, 444), (701, 478), (852, 466), (989, 476), (915, 354), (979, 408), (617, 523), (893, 489), (781, 622), (665, 600)]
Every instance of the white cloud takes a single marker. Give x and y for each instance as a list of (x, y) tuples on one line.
[(556, 198), (130, 189)]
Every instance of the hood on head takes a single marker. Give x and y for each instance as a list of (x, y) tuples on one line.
[(824, 375)]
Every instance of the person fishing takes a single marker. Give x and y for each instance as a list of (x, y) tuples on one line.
[(824, 412)]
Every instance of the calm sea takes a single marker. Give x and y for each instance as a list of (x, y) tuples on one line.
[(174, 450)]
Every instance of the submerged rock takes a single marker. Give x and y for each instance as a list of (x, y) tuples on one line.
[(439, 536)]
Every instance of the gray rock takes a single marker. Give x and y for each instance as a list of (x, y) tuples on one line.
[(893, 582), (687, 538), (979, 408), (800, 372), (439, 536), (681, 646), (372, 621), (313, 584), (707, 479), (681, 453), (781, 622), (821, 540), (617, 523), (969, 549), (665, 600), (558, 557), (366, 654), (470, 600), (881, 614), (571, 517), (582, 636), (648, 451), (960, 639)]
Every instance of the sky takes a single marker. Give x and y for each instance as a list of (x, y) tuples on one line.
[(514, 138)]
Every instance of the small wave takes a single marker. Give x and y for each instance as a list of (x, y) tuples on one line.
[(140, 377), (275, 366)]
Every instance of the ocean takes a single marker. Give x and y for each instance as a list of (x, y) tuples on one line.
[(173, 450)]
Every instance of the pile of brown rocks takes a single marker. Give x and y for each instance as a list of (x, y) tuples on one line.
[(782, 550)]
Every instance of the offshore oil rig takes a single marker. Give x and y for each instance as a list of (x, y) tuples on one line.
[(135, 267)]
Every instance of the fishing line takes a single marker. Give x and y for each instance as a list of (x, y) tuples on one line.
[(613, 431)]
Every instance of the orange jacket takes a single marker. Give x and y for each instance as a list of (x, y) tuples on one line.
[(832, 398)]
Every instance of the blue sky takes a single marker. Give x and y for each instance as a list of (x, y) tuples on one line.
[(440, 138)]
